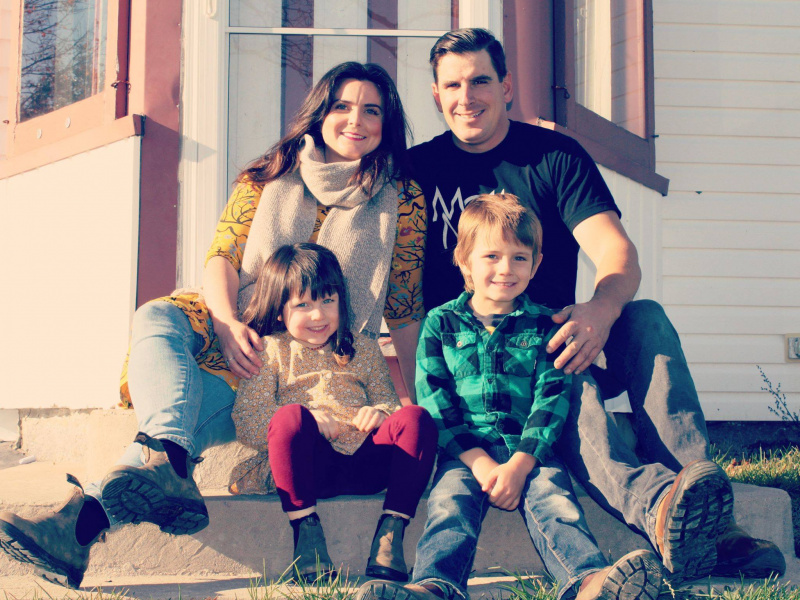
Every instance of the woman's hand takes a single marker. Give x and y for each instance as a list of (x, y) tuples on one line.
[(369, 418), (327, 423), (240, 345)]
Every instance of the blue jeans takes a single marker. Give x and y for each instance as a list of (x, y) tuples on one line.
[(644, 358), (457, 507), (173, 398)]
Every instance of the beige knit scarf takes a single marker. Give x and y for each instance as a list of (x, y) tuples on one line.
[(360, 230)]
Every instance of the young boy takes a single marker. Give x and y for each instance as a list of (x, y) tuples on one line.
[(499, 404)]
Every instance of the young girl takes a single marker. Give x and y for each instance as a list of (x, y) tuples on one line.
[(323, 413)]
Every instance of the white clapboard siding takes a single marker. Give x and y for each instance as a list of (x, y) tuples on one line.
[(731, 291), (732, 234), (737, 378), (641, 209), (734, 206), (740, 406), (733, 122), (732, 349), (687, 37), (751, 265), (774, 13), (764, 151), (733, 66), (727, 96), (736, 319)]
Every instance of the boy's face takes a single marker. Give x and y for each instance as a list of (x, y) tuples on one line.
[(470, 95), (500, 271)]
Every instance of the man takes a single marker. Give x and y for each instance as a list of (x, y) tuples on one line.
[(485, 152)]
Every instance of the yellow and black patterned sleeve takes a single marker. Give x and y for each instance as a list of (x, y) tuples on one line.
[(234, 224), (404, 298)]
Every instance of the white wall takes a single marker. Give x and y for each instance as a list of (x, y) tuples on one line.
[(727, 82), (68, 278)]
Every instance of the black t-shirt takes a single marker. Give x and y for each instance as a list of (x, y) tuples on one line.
[(546, 169)]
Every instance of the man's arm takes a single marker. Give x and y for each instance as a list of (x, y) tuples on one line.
[(604, 240)]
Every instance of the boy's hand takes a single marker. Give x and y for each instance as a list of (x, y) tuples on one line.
[(369, 418), (505, 481), (480, 463), (327, 423)]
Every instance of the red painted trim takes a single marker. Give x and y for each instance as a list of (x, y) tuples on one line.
[(156, 39), (382, 14), (90, 139), (528, 37)]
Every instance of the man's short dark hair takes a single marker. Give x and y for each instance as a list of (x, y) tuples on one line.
[(461, 41)]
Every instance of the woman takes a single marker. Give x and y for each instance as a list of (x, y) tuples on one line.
[(338, 178)]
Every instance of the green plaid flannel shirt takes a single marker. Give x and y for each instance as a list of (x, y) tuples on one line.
[(481, 388)]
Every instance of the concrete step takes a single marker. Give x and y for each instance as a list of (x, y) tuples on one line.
[(250, 535)]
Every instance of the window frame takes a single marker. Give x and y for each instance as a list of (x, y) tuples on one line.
[(89, 123), (609, 144)]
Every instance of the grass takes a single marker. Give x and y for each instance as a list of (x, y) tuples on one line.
[(776, 468)]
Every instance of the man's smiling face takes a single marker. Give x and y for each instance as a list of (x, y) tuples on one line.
[(470, 95)]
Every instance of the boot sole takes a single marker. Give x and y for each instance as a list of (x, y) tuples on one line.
[(701, 509), (386, 573), (23, 549), (132, 498), (636, 576)]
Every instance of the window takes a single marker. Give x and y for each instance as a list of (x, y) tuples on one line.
[(585, 68), (68, 77), (604, 83), (248, 64), (63, 54)]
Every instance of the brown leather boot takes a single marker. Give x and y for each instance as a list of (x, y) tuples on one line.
[(741, 555), (697, 508), (48, 541), (386, 559), (155, 493), (635, 576)]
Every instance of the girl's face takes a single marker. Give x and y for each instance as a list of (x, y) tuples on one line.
[(354, 126), (311, 322)]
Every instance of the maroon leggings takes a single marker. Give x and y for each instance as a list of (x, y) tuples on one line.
[(398, 457)]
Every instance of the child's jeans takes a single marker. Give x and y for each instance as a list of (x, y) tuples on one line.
[(457, 507), (398, 456)]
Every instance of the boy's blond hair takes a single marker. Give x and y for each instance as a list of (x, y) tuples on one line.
[(490, 215)]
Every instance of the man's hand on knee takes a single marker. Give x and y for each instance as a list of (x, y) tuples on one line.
[(584, 332)]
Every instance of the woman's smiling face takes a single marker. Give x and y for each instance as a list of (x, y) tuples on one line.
[(354, 126)]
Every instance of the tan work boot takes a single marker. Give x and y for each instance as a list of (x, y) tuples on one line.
[(155, 493), (48, 541), (741, 555), (386, 559), (635, 576), (311, 559), (697, 508)]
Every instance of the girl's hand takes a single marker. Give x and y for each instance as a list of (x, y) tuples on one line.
[(327, 423), (369, 418), (239, 345)]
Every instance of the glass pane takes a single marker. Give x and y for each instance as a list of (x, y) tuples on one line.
[(288, 66), (609, 60), (354, 14), (63, 54)]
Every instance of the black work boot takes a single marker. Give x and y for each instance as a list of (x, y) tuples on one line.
[(155, 493), (48, 541), (386, 559), (311, 559)]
